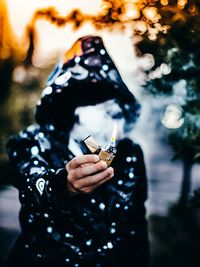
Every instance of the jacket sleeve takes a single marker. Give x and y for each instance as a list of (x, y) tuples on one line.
[(38, 182)]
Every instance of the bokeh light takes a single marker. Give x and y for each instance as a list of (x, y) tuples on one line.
[(172, 117)]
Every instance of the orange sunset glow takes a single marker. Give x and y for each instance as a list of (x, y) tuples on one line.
[(52, 22), (51, 27)]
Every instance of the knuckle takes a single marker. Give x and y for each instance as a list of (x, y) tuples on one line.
[(101, 166), (97, 177), (81, 172), (68, 166), (76, 185), (75, 161), (110, 171), (92, 158), (70, 177), (87, 190), (87, 157)]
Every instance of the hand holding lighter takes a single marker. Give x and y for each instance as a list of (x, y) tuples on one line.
[(108, 153)]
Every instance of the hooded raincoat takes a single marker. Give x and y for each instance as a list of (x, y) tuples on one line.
[(106, 228)]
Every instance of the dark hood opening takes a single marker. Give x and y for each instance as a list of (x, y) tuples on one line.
[(87, 76)]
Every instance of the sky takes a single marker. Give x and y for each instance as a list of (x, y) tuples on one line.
[(49, 37)]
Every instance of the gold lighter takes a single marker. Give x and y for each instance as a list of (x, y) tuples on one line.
[(108, 153)]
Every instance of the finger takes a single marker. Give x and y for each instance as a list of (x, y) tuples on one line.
[(104, 180), (90, 169), (82, 159), (86, 164), (71, 189), (94, 179), (91, 189)]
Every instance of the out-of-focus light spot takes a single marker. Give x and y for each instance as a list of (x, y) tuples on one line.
[(132, 12), (19, 74), (147, 61), (181, 3), (151, 13), (172, 117), (157, 73), (131, 175), (152, 37), (105, 67), (102, 52), (152, 33), (192, 9), (77, 59), (165, 69), (158, 26), (110, 245), (63, 78), (140, 26), (164, 2), (165, 28), (102, 206), (34, 150), (128, 159), (47, 91), (89, 242), (49, 229)]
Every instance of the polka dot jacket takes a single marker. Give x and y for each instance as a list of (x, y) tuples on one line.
[(105, 228)]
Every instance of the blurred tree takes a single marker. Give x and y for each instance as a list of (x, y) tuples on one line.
[(17, 75), (6, 60), (176, 70)]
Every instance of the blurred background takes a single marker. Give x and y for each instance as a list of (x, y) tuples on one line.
[(156, 47)]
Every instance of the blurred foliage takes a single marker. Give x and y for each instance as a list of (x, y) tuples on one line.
[(176, 71), (21, 84), (141, 15), (17, 109), (179, 50)]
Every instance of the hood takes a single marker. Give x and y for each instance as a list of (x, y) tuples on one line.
[(85, 76)]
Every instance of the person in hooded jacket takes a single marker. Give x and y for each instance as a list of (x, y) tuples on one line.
[(76, 211)]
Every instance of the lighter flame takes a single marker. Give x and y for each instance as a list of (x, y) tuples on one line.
[(114, 134)]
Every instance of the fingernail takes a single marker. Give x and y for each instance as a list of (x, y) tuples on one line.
[(110, 170), (96, 157), (103, 164)]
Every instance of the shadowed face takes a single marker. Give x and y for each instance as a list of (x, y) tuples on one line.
[(98, 121)]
